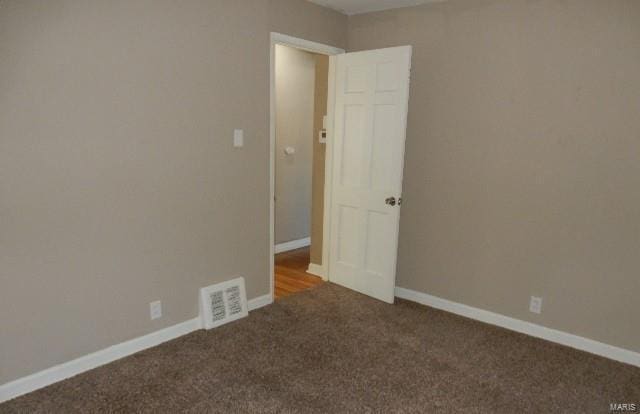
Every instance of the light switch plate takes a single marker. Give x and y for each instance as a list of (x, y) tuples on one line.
[(238, 138), (322, 136)]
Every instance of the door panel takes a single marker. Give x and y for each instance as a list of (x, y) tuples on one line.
[(372, 91)]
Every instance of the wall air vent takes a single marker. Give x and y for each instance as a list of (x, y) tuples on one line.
[(222, 303)]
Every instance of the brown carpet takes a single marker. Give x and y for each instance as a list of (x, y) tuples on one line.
[(330, 350)]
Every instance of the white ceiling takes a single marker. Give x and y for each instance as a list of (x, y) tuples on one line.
[(364, 6)]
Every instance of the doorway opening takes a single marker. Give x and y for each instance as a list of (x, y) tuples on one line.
[(300, 95), (299, 108)]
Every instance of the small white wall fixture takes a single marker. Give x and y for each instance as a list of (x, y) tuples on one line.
[(223, 303)]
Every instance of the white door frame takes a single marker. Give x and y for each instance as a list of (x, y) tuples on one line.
[(281, 39)]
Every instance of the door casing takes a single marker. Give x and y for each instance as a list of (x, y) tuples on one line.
[(286, 40)]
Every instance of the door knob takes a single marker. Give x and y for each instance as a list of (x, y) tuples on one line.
[(391, 201)]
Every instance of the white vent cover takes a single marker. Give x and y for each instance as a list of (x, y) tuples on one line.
[(222, 303)]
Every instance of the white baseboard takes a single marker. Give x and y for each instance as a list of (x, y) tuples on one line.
[(528, 328), (316, 270), (259, 302), (77, 366), (292, 245), (74, 367)]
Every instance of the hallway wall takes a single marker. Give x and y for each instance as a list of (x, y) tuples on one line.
[(295, 85)]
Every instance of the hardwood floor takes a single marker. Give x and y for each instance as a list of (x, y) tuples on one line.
[(291, 273)]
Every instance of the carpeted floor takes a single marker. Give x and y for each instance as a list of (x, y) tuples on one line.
[(330, 350)]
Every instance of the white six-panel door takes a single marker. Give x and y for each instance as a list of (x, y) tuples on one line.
[(371, 99)]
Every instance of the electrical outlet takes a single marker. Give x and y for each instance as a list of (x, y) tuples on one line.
[(155, 309), (535, 305), (238, 138)]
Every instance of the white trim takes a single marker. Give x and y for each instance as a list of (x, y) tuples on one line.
[(272, 165), (316, 270), (308, 45), (328, 168), (259, 302), (292, 245), (282, 39), (77, 366), (528, 328)]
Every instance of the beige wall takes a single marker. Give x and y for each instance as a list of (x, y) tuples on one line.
[(294, 89), (320, 110), (119, 184), (522, 172)]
